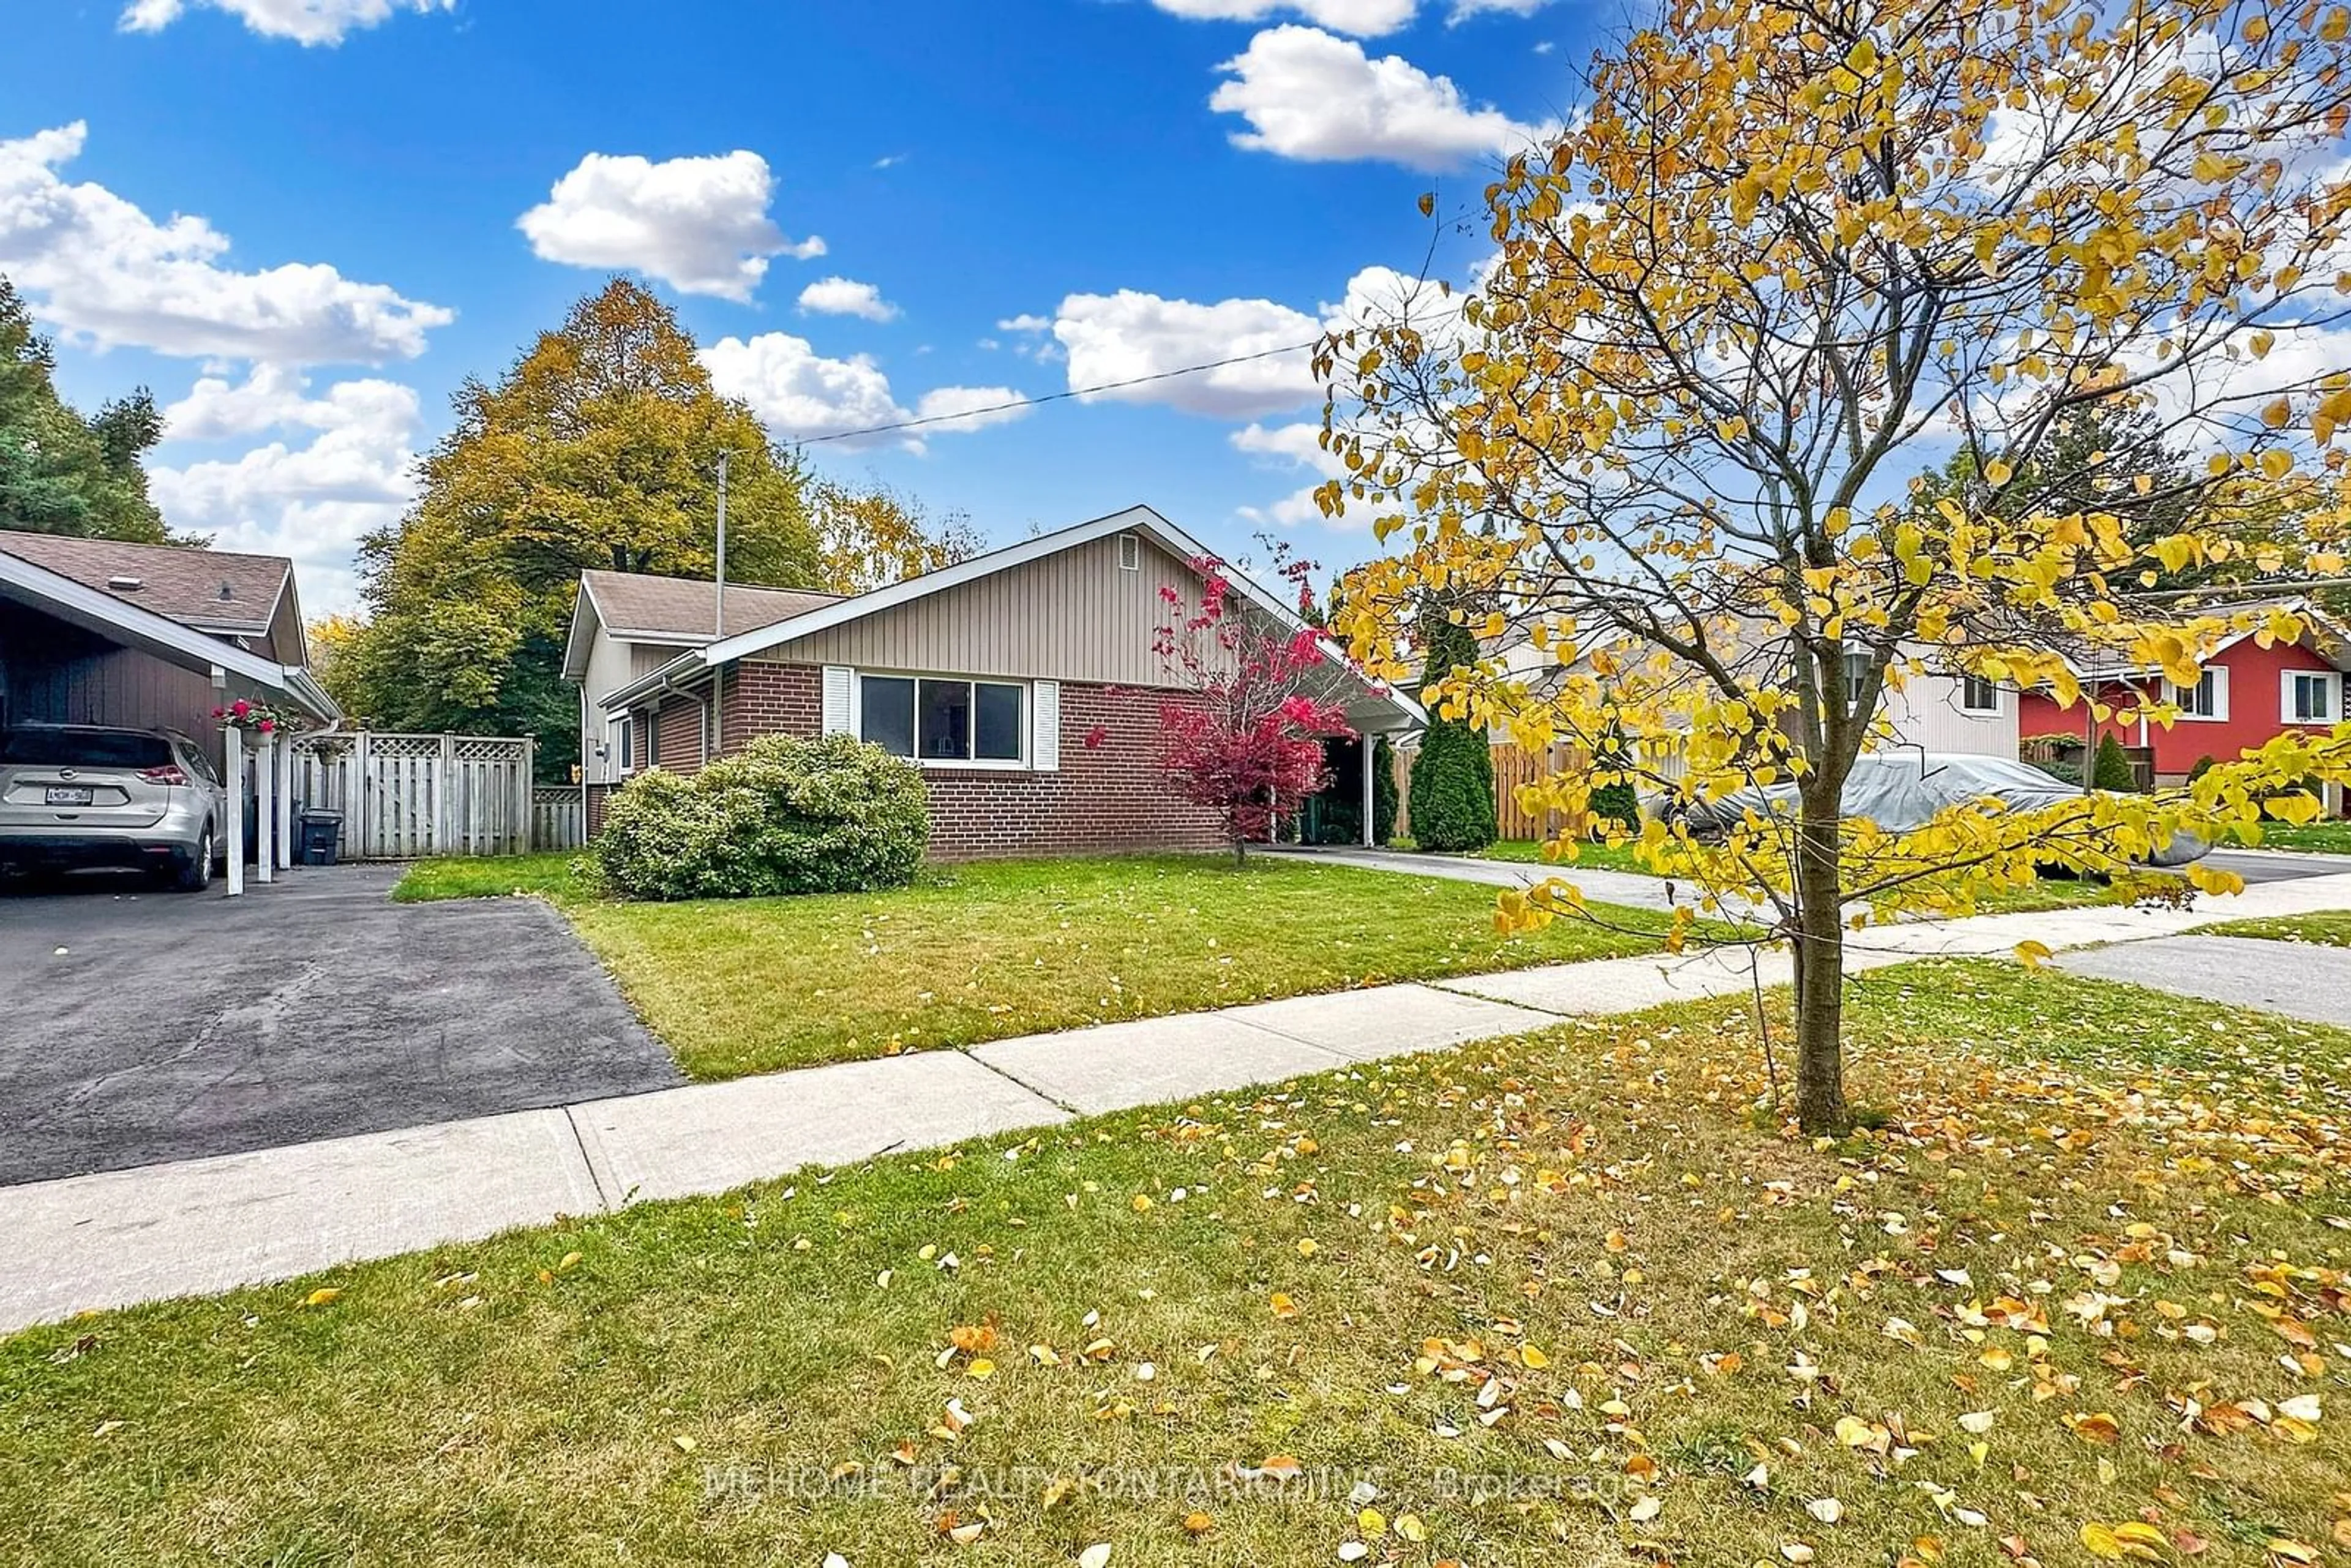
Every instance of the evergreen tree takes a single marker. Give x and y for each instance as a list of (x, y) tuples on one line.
[(1384, 791), (1453, 774), (2111, 769)]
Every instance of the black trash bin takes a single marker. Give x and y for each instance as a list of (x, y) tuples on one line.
[(322, 837)]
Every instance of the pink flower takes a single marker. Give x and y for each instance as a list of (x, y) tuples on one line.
[(267, 725), (240, 707), (1096, 736), (220, 713)]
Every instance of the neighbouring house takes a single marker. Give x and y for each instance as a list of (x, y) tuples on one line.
[(1025, 681), (2248, 694), (148, 636), (1936, 710)]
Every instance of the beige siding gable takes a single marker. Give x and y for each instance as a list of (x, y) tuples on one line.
[(1074, 615)]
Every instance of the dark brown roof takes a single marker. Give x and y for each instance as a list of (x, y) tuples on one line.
[(212, 590), (680, 607)]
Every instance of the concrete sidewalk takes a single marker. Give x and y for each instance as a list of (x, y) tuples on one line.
[(201, 1226)]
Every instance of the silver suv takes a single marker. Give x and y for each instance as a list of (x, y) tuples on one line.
[(76, 795)]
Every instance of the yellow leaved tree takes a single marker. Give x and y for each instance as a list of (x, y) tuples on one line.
[(1757, 420)]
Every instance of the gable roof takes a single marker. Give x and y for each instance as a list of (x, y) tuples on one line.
[(115, 615), (2322, 635), (678, 609), (218, 591), (697, 662)]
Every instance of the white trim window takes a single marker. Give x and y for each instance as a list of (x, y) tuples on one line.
[(2207, 701), (944, 721), (2310, 697), (1978, 695), (619, 751)]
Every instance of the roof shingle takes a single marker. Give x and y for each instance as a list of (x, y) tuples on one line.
[(680, 607), (213, 590)]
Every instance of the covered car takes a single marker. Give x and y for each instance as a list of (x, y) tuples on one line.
[(1904, 790)]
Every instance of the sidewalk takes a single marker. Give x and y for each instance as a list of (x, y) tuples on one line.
[(200, 1226)]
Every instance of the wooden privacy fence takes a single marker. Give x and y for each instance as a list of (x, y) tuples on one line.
[(1513, 767), (406, 796), (558, 818)]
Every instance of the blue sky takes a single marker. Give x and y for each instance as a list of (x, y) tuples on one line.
[(302, 222)]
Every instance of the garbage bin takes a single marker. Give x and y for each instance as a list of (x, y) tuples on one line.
[(322, 837)]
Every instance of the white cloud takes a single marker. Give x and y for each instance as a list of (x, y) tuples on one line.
[(799, 393), (1291, 446), (1465, 9), (311, 501), (981, 406), (1024, 322), (1366, 18), (699, 225), (307, 22), (1319, 99), (1122, 336), (98, 265), (847, 296)]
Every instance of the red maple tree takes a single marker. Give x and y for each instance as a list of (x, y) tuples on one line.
[(1247, 738)]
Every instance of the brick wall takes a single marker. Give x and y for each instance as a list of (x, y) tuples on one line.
[(678, 728), (1108, 796)]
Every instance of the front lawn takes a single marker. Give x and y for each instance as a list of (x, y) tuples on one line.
[(1563, 1300), (2330, 930), (2048, 892), (2331, 838), (992, 949)]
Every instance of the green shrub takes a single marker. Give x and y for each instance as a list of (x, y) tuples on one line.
[(781, 816), (2112, 770), (2064, 770), (1453, 790), (1384, 791), (2203, 765)]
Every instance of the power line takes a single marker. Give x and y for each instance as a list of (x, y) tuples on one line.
[(1055, 397)]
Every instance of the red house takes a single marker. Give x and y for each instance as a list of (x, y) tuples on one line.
[(2250, 694)]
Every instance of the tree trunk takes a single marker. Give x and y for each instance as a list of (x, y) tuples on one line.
[(1820, 962)]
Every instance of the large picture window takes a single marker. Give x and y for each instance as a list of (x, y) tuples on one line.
[(944, 721)]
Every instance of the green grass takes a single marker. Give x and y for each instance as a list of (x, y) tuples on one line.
[(2330, 930), (992, 949), (494, 876), (1665, 1290), (2049, 892), (2309, 838)]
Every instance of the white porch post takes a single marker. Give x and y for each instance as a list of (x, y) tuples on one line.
[(264, 806), (283, 751), (1370, 749), (233, 739)]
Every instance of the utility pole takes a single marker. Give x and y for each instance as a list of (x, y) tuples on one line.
[(718, 621), (719, 615)]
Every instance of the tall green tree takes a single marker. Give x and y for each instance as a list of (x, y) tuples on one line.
[(1452, 799), (598, 448), (61, 473)]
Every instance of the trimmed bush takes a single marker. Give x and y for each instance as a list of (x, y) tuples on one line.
[(2112, 770), (1453, 772), (781, 816), (1384, 791), (1453, 790)]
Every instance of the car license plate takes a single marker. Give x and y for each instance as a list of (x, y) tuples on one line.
[(69, 795)]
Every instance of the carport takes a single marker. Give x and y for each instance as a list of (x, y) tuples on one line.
[(73, 652)]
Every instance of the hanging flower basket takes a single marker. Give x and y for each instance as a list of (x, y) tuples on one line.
[(256, 718)]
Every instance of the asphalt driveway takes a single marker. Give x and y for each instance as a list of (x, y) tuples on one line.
[(138, 1026)]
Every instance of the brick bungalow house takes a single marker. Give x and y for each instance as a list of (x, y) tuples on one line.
[(1024, 681), (2248, 696)]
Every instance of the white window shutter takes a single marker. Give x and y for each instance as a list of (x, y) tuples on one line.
[(840, 681), (2220, 691), (1045, 727)]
